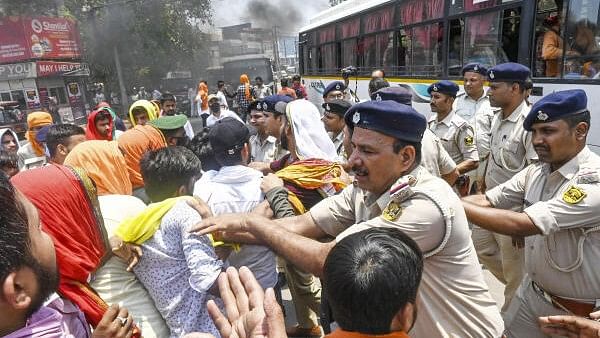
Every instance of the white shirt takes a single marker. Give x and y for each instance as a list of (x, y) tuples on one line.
[(212, 119), (237, 189), (222, 99)]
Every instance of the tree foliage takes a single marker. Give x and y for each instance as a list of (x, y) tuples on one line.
[(152, 36)]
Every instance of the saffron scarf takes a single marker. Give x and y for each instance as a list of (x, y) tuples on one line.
[(330, 178), (203, 93), (134, 143), (105, 165), (148, 107), (339, 333), (68, 207), (37, 119), (142, 227), (91, 133)]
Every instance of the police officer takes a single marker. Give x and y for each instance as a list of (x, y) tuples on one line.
[(560, 197), (391, 190), (334, 91), (473, 105), (333, 119), (457, 135), (434, 156), (510, 152)]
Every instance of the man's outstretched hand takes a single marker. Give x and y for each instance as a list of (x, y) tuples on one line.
[(251, 313), (571, 326)]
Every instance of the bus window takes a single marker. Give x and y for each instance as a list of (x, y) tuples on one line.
[(484, 41), (456, 47), (582, 57), (549, 45), (349, 52), (313, 60), (463, 6), (328, 59), (415, 11), (385, 50), (426, 50), (403, 53), (368, 52)]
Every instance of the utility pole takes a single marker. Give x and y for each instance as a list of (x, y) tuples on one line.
[(124, 98), (276, 56)]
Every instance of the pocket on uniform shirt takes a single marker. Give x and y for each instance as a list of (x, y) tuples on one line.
[(513, 146)]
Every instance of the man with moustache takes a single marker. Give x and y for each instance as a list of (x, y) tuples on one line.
[(391, 190), (510, 152), (557, 202)]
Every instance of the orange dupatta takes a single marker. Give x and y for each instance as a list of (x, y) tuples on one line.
[(37, 119), (104, 163), (134, 143)]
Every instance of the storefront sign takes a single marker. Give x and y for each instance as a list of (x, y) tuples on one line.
[(38, 38), (16, 71), (52, 68)]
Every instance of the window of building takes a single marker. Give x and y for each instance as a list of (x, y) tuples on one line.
[(60, 94), (5, 96), (19, 96)]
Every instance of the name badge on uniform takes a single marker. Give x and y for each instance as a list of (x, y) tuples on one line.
[(392, 211), (574, 195)]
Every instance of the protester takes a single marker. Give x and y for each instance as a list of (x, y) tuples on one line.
[(168, 104), (99, 126), (222, 94), (236, 188), (66, 202), (177, 268), (104, 163), (202, 100), (298, 87), (32, 153), (286, 90), (173, 129), (217, 112), (133, 144), (9, 163), (200, 146), (9, 141), (29, 258), (118, 122), (244, 96), (260, 89), (61, 139), (141, 112)]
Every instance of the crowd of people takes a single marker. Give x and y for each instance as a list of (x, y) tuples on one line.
[(377, 219)]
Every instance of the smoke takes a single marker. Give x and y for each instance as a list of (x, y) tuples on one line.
[(288, 16)]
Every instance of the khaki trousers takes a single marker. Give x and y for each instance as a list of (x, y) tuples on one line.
[(306, 294), (505, 261)]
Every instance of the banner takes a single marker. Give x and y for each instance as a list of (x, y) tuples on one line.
[(38, 38), (53, 68), (16, 71)]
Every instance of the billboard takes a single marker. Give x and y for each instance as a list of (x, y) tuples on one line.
[(38, 38)]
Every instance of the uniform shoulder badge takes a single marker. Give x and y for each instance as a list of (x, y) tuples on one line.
[(588, 177), (469, 141), (392, 211), (574, 195)]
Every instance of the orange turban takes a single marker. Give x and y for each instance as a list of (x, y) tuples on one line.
[(134, 143), (34, 120)]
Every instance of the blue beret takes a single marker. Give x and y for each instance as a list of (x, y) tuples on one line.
[(444, 87), (398, 94), (388, 117), (556, 106), (339, 107), (475, 68), (269, 102), (335, 85), (509, 71)]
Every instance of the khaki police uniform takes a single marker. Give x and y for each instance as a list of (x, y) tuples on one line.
[(338, 142), (265, 150), (458, 137), (565, 206), (434, 156), (510, 151), (453, 299), (479, 114)]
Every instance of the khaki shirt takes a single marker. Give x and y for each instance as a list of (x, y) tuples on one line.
[(550, 201), (453, 298), (458, 137), (510, 147), (338, 142), (263, 151), (434, 157), (479, 114)]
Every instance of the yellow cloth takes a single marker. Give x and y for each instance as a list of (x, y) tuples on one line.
[(142, 227), (148, 107), (37, 119)]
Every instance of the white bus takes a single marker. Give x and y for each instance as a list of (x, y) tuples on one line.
[(417, 42)]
